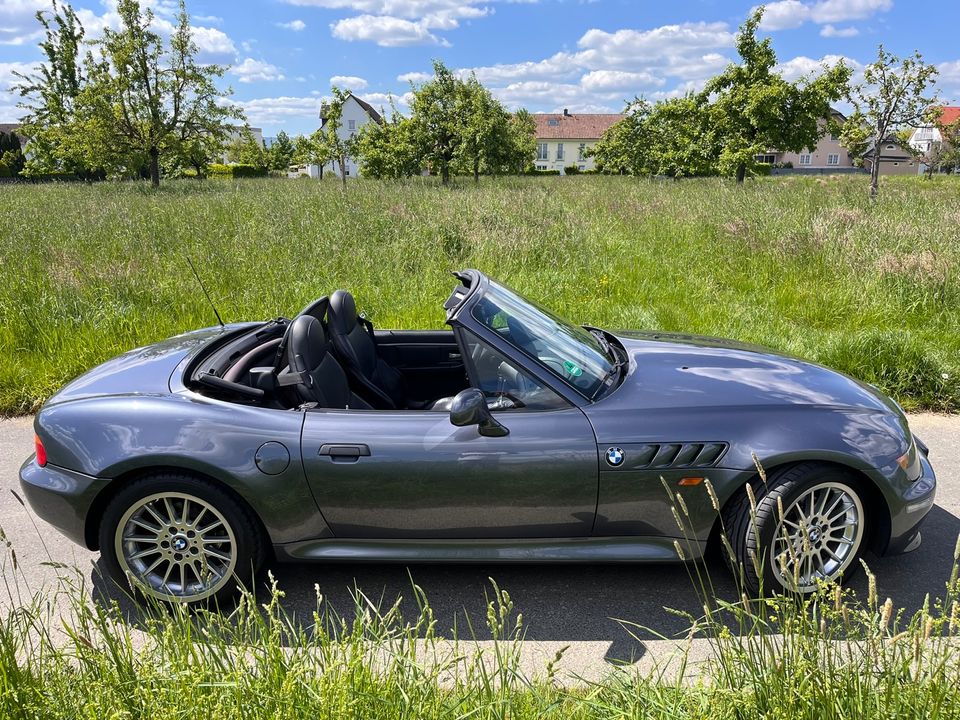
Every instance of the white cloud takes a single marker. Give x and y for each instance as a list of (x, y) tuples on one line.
[(788, 14), (607, 80), (7, 76), (18, 24), (562, 65), (383, 100), (831, 31), (627, 48), (949, 81), (295, 25), (278, 110), (208, 19), (349, 81), (802, 65), (251, 70), (384, 30), (214, 45), (414, 77)]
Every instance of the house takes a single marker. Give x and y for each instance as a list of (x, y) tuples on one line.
[(564, 138), (829, 156), (925, 137), (895, 159), (354, 115)]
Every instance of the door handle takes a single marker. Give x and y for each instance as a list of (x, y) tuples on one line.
[(344, 452), (453, 356)]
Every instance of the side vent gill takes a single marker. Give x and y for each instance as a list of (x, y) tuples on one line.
[(663, 456)]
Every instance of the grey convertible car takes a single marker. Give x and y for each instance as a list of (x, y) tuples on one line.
[(512, 436)]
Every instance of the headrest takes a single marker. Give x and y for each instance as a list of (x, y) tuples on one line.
[(308, 344), (342, 314)]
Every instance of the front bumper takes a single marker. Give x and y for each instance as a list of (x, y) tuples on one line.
[(917, 502), (60, 497)]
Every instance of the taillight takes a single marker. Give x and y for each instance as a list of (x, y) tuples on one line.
[(41, 451)]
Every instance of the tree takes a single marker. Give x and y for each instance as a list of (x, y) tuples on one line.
[(247, 150), (306, 152), (281, 152), (623, 147), (682, 141), (437, 125), (11, 157), (388, 149), (143, 99), (484, 128), (521, 143), (753, 109), (892, 96), (50, 95), (330, 143)]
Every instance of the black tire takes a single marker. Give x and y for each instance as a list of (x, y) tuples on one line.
[(244, 545), (753, 542)]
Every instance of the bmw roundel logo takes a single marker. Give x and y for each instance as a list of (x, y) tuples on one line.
[(615, 456)]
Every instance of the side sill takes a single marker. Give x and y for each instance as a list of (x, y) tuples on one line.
[(546, 550)]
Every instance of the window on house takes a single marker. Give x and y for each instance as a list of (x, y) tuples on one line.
[(766, 159), (351, 124), (833, 159), (581, 167), (806, 159), (553, 122), (541, 167), (559, 151), (834, 137), (581, 150), (541, 151), (889, 147)]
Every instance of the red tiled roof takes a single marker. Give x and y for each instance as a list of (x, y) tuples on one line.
[(558, 126), (949, 115)]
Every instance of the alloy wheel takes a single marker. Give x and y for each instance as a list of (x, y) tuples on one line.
[(176, 547), (818, 536)]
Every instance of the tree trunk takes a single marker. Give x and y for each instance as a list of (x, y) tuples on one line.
[(343, 172), (741, 173), (875, 172), (155, 166), (445, 174), (476, 170)]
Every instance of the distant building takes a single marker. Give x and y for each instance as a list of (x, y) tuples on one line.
[(925, 137), (564, 138), (355, 114), (829, 156)]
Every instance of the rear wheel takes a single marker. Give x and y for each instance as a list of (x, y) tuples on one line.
[(177, 538), (819, 536)]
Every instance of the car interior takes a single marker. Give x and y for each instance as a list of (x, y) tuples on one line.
[(328, 356)]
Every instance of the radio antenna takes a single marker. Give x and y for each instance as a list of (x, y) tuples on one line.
[(202, 287)]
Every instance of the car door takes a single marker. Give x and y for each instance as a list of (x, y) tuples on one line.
[(429, 361), (413, 474)]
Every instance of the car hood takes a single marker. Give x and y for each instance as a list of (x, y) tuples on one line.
[(143, 371), (673, 370)]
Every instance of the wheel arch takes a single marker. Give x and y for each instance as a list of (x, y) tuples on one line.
[(91, 532), (878, 513)]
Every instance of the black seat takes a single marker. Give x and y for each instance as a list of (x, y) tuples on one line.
[(376, 380), (322, 380)]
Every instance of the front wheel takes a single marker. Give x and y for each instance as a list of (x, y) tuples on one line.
[(818, 537), (179, 539)]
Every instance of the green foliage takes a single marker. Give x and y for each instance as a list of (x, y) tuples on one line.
[(437, 122), (281, 152), (50, 98), (246, 149), (236, 170), (804, 265), (571, 170), (752, 108), (388, 149), (894, 95), (135, 105)]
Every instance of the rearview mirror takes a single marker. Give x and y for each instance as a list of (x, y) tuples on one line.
[(469, 407)]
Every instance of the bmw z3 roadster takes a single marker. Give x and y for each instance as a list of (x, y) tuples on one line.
[(513, 435)]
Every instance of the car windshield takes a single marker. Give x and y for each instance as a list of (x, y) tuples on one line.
[(577, 356)]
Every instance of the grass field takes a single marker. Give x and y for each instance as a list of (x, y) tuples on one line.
[(805, 265)]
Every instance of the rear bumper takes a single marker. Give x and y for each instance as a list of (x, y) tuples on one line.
[(917, 502), (60, 497)]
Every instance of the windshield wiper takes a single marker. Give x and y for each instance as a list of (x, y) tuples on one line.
[(614, 370)]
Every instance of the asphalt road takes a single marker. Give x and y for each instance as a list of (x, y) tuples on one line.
[(580, 606)]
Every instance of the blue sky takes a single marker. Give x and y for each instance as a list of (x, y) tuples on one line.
[(545, 55)]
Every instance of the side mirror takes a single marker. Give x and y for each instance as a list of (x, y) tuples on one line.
[(469, 407)]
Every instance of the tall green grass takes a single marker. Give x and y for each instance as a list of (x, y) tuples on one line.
[(805, 265)]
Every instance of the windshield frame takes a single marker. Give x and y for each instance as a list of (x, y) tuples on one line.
[(603, 361)]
